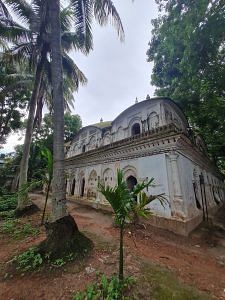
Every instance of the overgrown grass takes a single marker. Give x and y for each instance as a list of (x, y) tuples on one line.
[(160, 284)]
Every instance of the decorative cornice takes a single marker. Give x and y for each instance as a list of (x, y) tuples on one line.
[(160, 140)]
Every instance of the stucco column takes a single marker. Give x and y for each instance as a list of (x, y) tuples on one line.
[(178, 203)]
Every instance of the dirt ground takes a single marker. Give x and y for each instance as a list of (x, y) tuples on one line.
[(198, 260)]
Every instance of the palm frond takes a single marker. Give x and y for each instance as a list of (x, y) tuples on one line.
[(21, 52), (5, 16), (141, 186), (14, 33), (104, 12), (71, 70), (22, 9), (83, 12), (71, 41), (66, 18)]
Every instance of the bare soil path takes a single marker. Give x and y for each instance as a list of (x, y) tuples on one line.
[(198, 260)]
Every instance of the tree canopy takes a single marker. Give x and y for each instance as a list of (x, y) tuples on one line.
[(188, 52), (44, 134)]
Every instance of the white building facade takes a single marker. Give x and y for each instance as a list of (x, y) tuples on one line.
[(149, 139)]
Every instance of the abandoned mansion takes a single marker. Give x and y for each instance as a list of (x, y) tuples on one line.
[(151, 138)]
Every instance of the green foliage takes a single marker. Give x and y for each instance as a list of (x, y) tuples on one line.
[(32, 259), (187, 48), (8, 202), (124, 201), (28, 260), (15, 88), (8, 226), (125, 205), (16, 230), (106, 289), (44, 134), (8, 214), (59, 262)]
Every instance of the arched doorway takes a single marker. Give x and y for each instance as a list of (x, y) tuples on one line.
[(136, 129), (83, 148), (82, 187), (73, 187), (131, 182)]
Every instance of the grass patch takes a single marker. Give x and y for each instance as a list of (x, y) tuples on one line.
[(33, 260), (16, 230), (4, 215), (160, 284)]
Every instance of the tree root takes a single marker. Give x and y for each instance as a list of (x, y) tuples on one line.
[(63, 238), (28, 210)]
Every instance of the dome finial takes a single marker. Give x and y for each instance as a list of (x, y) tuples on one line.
[(101, 120), (136, 100)]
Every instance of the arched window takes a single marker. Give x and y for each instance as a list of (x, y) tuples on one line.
[(136, 129), (83, 148)]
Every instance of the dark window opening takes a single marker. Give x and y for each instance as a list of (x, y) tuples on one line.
[(82, 187), (135, 129), (73, 187), (83, 148), (131, 182), (196, 196)]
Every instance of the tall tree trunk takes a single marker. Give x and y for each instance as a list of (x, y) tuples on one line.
[(58, 183), (46, 200), (23, 198), (63, 236)]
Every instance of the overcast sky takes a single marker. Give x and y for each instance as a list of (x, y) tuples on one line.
[(117, 72)]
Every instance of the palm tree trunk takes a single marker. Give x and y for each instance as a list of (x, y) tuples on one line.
[(58, 183), (46, 200), (121, 253), (23, 199)]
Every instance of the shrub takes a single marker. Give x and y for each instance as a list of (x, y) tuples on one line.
[(106, 289), (28, 260), (8, 202)]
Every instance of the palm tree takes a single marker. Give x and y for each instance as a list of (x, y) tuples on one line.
[(126, 204), (84, 11), (34, 45)]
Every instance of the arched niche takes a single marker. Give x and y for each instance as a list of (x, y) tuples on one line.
[(196, 189), (92, 184), (92, 143), (153, 120), (129, 171), (108, 177), (106, 140), (135, 129), (120, 133), (83, 148)]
